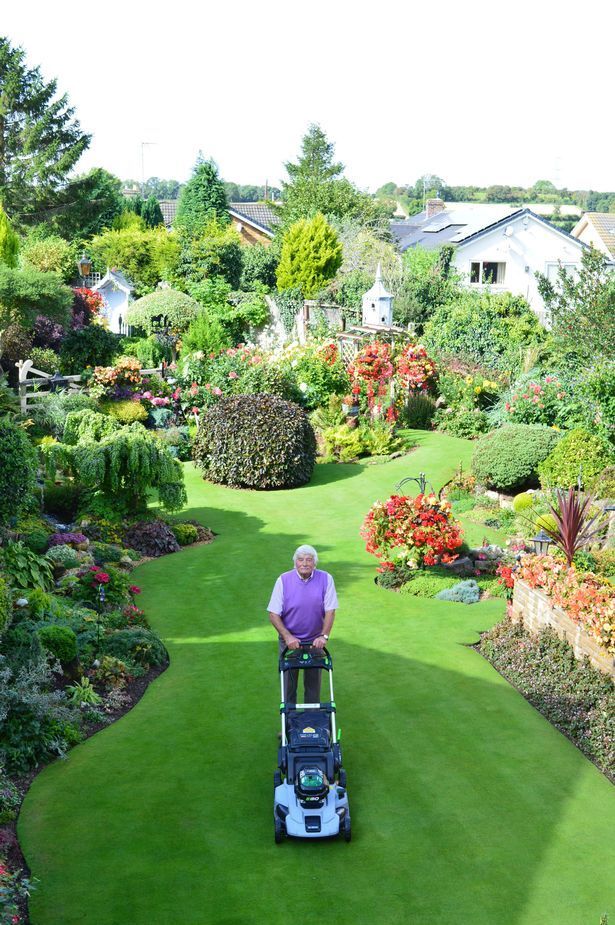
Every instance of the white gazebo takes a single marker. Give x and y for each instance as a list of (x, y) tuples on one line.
[(116, 291)]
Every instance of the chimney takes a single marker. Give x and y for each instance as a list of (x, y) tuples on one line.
[(434, 206)]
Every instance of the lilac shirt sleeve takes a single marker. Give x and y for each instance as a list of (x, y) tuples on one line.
[(330, 595), (277, 598)]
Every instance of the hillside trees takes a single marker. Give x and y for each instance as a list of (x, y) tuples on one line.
[(40, 140)]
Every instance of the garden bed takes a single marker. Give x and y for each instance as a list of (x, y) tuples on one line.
[(9, 842), (576, 698)]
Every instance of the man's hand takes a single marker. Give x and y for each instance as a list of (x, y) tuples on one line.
[(292, 642), (319, 642)]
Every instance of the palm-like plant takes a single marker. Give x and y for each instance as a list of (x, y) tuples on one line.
[(575, 527)]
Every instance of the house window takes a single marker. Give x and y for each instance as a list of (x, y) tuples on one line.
[(552, 268), (487, 272)]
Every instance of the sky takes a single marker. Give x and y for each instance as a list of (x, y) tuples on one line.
[(476, 92)]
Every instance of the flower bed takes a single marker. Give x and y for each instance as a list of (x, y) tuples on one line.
[(580, 605)]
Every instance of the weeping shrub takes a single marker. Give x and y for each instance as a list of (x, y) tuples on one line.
[(128, 463), (255, 441), (81, 426)]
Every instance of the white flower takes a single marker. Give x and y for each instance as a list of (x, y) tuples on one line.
[(303, 386), (21, 602)]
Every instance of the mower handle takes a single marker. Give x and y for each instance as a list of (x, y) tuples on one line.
[(319, 655)]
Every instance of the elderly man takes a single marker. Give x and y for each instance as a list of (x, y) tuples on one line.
[(302, 607)]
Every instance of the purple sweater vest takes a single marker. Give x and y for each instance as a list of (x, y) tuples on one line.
[(304, 603)]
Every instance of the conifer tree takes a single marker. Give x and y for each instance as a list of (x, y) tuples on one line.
[(202, 198), (40, 140), (311, 256), (151, 213)]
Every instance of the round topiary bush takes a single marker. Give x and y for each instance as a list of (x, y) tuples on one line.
[(255, 441), (60, 641), (126, 411), (18, 470), (161, 309), (508, 458), (523, 502), (577, 453)]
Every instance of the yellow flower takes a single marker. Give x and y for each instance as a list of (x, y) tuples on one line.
[(478, 389)]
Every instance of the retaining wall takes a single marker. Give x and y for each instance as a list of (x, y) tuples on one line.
[(535, 610)]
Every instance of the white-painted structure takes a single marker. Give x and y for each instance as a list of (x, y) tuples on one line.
[(377, 305), (507, 256), (117, 294)]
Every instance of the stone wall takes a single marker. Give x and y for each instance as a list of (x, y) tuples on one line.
[(534, 609)]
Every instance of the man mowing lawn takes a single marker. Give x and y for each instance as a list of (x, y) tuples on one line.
[(302, 607)]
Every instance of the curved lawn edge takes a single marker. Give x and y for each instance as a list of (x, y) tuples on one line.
[(463, 797)]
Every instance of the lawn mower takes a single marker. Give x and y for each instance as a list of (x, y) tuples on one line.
[(310, 799)]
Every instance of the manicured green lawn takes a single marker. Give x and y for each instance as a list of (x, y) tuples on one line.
[(468, 808)]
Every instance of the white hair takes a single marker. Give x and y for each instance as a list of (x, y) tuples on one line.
[(305, 551)]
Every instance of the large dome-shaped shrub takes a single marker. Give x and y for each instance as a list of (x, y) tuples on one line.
[(507, 459), (161, 309), (255, 441)]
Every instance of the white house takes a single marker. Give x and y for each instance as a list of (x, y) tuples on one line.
[(507, 256), (116, 291), (498, 246)]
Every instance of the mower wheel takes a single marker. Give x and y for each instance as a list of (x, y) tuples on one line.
[(347, 828), (277, 779), (279, 831), (342, 778)]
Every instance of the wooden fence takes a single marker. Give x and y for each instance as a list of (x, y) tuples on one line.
[(34, 384)]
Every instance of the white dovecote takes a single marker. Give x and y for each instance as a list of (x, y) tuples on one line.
[(377, 305)]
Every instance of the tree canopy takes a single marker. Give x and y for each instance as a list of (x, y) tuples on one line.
[(316, 185), (202, 198), (582, 306), (40, 140)]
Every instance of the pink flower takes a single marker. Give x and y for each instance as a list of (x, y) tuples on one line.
[(147, 395), (101, 577), (231, 352), (549, 379), (195, 410), (233, 375), (560, 395), (507, 406), (160, 402), (135, 589), (194, 388), (216, 390), (177, 393)]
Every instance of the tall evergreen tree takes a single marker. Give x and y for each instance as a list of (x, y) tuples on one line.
[(316, 158), (40, 140), (202, 198), (151, 213), (316, 185)]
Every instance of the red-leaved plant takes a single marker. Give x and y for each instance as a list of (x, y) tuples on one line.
[(575, 528)]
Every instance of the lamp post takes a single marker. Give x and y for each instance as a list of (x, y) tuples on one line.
[(57, 382), (541, 543), (84, 265)]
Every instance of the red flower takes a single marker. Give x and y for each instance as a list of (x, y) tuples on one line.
[(101, 577), (135, 589)]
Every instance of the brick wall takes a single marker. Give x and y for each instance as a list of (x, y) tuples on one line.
[(534, 609)]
